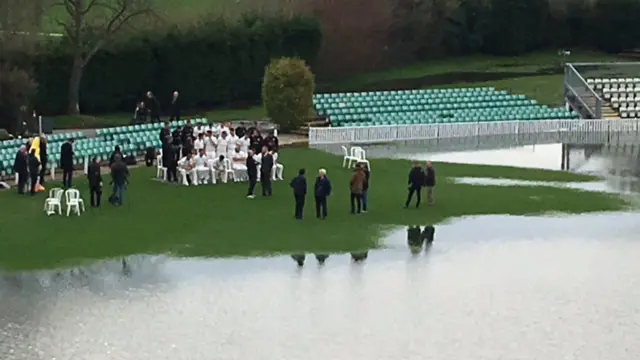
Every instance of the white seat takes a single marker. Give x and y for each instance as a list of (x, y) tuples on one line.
[(228, 171), (362, 157), (73, 201), (54, 201), (239, 172), (161, 169), (278, 169), (348, 158)]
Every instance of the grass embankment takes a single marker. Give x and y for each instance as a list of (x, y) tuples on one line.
[(538, 76), (217, 220)]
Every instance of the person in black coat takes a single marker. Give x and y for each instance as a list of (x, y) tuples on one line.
[(141, 113), (66, 163), (271, 142), (265, 172), (176, 136), (299, 186), (164, 133), (255, 140), (187, 133), (112, 157), (170, 160), (322, 190), (44, 159), (153, 106), (21, 168), (34, 171), (95, 182), (241, 130), (175, 107), (429, 182), (252, 173), (416, 182)]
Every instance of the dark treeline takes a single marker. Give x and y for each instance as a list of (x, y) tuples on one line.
[(216, 63), (220, 63)]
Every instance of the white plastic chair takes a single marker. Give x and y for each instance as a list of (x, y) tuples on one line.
[(228, 171), (277, 172), (348, 158), (54, 201), (362, 157), (161, 169), (74, 202)]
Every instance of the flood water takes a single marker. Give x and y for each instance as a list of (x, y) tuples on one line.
[(490, 287)]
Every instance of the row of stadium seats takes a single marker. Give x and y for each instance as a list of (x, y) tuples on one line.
[(623, 94), (133, 140), (431, 106)]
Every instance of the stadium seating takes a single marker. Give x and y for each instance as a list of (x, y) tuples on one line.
[(430, 106), (133, 140), (622, 94)]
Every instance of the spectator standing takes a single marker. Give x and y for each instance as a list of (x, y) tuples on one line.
[(365, 189), (175, 107), (44, 159), (299, 186), (153, 106), (95, 182), (119, 179), (112, 157), (357, 187), (416, 181), (322, 190), (21, 168), (252, 174), (266, 168), (141, 113), (66, 163), (430, 182), (34, 171), (164, 133)]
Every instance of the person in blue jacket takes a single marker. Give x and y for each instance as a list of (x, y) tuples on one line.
[(322, 189)]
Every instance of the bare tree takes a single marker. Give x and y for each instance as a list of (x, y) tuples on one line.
[(88, 26)]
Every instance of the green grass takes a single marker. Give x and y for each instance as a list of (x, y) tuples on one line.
[(219, 221)]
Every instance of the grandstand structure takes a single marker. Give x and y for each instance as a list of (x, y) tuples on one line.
[(603, 90)]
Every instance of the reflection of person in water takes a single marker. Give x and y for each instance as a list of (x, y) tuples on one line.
[(299, 259), (321, 258), (416, 237), (359, 256)]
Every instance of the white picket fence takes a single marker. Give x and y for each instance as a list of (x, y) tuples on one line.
[(388, 133)]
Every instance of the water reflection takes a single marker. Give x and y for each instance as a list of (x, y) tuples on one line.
[(555, 287), (418, 238)]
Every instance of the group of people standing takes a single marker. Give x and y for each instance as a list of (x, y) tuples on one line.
[(420, 178), (149, 109), (359, 186), (119, 179)]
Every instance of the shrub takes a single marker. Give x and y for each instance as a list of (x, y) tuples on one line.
[(287, 92), (17, 90)]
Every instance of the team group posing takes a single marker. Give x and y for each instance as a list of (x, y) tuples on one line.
[(208, 153)]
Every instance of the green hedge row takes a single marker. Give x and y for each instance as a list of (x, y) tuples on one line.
[(212, 64)]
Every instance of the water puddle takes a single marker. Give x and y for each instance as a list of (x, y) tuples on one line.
[(559, 287), (617, 185)]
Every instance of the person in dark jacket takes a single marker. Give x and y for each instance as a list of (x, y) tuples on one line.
[(175, 107), (241, 130), (66, 163), (430, 182), (252, 174), (187, 132), (357, 187), (153, 106), (34, 171), (44, 159), (253, 129), (112, 157), (141, 113), (365, 189), (119, 179), (266, 168), (299, 186), (187, 146), (416, 181), (255, 141), (271, 142), (95, 182), (21, 168), (165, 132), (177, 136), (169, 159), (321, 190)]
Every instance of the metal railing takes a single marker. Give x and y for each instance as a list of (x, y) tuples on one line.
[(391, 133), (576, 85)]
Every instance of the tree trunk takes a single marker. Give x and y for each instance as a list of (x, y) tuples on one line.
[(74, 85)]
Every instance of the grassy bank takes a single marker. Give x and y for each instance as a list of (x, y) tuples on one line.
[(538, 76), (219, 221)]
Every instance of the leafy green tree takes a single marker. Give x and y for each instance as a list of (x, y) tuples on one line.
[(287, 92)]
